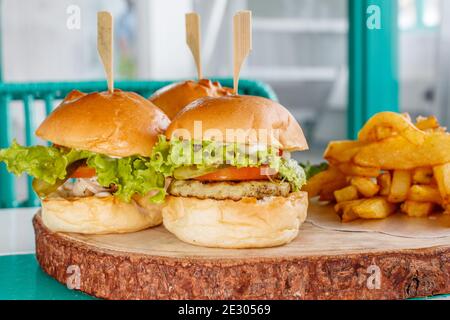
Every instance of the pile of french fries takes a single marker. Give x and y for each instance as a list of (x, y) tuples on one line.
[(395, 165)]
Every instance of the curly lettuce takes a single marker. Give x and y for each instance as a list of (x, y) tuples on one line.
[(45, 163), (130, 175), (50, 165), (195, 158)]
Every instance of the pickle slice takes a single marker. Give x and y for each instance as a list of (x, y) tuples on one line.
[(43, 189)]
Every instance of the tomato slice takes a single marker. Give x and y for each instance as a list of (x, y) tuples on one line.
[(236, 174), (83, 172)]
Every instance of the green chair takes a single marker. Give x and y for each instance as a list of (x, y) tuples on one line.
[(29, 93)]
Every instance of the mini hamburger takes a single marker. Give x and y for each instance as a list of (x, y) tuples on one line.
[(174, 97), (234, 183), (96, 176)]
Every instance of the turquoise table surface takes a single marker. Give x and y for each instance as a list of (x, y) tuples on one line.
[(21, 278)]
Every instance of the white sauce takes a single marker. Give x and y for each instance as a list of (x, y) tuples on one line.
[(84, 188)]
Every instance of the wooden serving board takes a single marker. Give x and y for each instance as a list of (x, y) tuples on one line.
[(319, 264)]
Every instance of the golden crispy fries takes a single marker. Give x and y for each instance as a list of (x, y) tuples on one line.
[(353, 170), (401, 183), (442, 176), (342, 151), (374, 208), (325, 182), (365, 186), (394, 122), (327, 193), (345, 210), (423, 176), (431, 122), (385, 181), (425, 193), (394, 163), (384, 132), (417, 209), (395, 153), (347, 194), (446, 210)]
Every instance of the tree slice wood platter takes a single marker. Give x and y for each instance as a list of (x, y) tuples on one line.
[(319, 264)]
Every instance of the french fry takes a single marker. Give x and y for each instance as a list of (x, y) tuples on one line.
[(417, 209), (396, 123), (354, 170), (349, 215), (427, 123), (327, 192), (327, 195), (425, 193), (345, 210), (365, 186), (342, 151), (401, 183), (327, 181), (385, 181), (394, 153), (442, 176), (347, 194), (374, 208), (383, 132), (446, 210), (423, 176), (395, 163)]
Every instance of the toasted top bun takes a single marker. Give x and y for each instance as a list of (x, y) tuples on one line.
[(241, 119), (172, 98), (118, 124)]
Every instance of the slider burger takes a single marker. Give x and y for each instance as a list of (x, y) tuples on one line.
[(96, 177), (174, 97), (234, 184)]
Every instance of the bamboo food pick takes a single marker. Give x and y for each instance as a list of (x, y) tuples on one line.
[(193, 40), (242, 42), (105, 48)]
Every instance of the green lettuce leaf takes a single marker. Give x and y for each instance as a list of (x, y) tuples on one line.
[(160, 157), (49, 166), (292, 172), (45, 163), (186, 158), (130, 175)]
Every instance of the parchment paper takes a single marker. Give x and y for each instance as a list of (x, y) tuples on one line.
[(400, 225)]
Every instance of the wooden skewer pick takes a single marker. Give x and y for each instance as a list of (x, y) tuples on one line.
[(193, 39), (242, 42), (105, 48)]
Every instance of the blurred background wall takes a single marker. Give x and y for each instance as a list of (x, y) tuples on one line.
[(299, 47)]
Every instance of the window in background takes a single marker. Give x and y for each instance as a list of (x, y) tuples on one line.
[(419, 14), (40, 47), (299, 47), (420, 44)]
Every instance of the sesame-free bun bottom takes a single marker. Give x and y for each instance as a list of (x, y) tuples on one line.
[(248, 223), (93, 215)]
